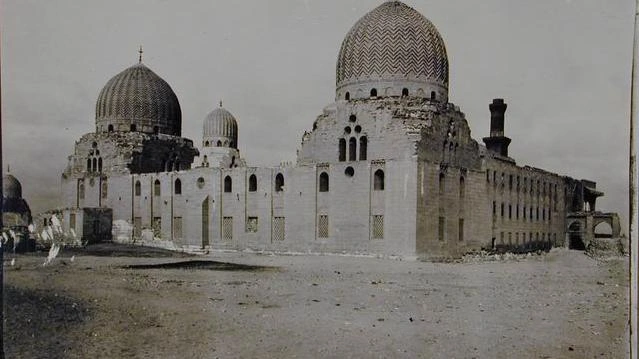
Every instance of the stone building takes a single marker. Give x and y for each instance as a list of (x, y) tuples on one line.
[(389, 168)]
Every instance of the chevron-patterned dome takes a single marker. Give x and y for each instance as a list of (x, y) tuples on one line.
[(220, 129), (11, 187), (393, 50), (137, 99)]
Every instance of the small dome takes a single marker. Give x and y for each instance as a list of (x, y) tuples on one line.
[(11, 187), (137, 99), (220, 129), (392, 50)]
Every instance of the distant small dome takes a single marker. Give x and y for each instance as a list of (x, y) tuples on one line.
[(220, 129), (392, 51), (11, 187), (138, 100)]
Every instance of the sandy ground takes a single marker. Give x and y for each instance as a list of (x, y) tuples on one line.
[(560, 305)]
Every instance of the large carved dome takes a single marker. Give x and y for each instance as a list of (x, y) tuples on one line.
[(393, 50), (137, 99)]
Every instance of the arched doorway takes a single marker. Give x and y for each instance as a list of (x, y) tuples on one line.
[(575, 237)]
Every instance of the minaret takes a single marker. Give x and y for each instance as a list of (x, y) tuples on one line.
[(497, 142)]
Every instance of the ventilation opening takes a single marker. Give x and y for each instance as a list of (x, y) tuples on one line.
[(404, 92), (134, 128), (110, 128), (433, 95), (349, 171), (374, 93)]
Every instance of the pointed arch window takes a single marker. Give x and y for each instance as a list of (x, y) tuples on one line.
[(279, 182), (89, 168), (378, 180), (252, 183), (323, 182), (363, 147), (177, 186), (100, 164), (342, 150), (138, 188), (156, 188), (347, 96), (352, 149), (228, 184)]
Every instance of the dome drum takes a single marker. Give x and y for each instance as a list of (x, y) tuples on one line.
[(385, 87)]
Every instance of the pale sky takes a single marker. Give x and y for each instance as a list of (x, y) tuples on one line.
[(563, 67)]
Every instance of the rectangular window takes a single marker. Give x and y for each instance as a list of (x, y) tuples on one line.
[(502, 209), (157, 226), (441, 228), (227, 228), (378, 227), (461, 229), (510, 211), (322, 226), (137, 227), (177, 227), (251, 225), (517, 216), (279, 226), (494, 208)]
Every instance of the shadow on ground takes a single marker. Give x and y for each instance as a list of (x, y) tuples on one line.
[(207, 265)]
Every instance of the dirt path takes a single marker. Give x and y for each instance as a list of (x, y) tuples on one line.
[(561, 305)]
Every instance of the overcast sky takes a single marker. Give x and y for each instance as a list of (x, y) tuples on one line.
[(563, 67)]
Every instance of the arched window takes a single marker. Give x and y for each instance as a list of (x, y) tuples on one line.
[(404, 92), (442, 183), (373, 92), (156, 187), (323, 182), (134, 127), (279, 182), (378, 180), (206, 144), (433, 95), (219, 143), (81, 190), (138, 188), (89, 168), (110, 128), (252, 183), (347, 96), (95, 163), (228, 184), (100, 164), (177, 186), (363, 142), (462, 187), (352, 149), (342, 149)]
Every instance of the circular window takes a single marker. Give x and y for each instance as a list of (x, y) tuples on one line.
[(353, 118), (200, 182), (349, 171), (358, 128), (347, 129)]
